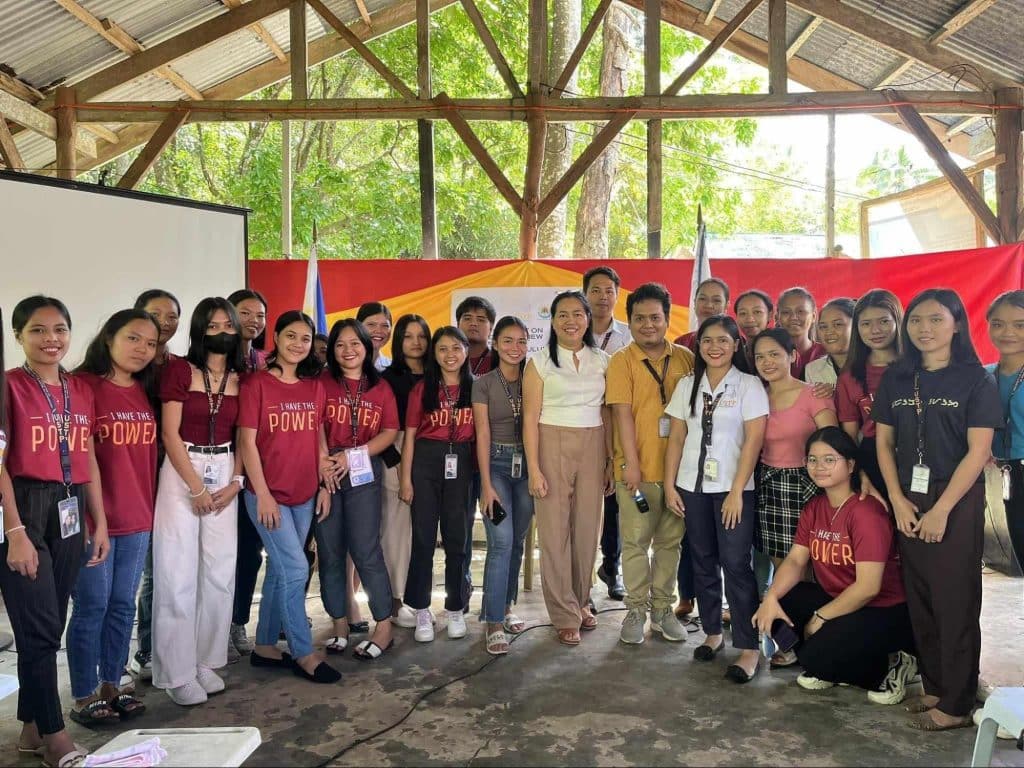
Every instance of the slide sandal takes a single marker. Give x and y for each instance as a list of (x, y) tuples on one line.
[(72, 759), (370, 651), (127, 706), (336, 645), (89, 715)]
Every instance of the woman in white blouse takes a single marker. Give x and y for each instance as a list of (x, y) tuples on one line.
[(566, 437), (718, 423)]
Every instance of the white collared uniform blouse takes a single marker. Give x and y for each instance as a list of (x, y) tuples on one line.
[(572, 398), (615, 338)]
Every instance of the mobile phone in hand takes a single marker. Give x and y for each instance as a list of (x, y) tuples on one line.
[(498, 512)]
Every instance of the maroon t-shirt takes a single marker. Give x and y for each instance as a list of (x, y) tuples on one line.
[(688, 340), (861, 532), (256, 360), (175, 380), (126, 453), (815, 351), (33, 447), (478, 366), (436, 425), (853, 403), (287, 418), (376, 410)]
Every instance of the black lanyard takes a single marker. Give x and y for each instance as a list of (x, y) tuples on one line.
[(61, 421), (450, 403), (475, 370), (922, 413), (254, 360), (1006, 410), (353, 408), (515, 402), (661, 379), (214, 404), (707, 418), (608, 335)]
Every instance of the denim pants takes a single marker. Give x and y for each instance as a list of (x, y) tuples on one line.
[(284, 586), (102, 612), (353, 528), (506, 539)]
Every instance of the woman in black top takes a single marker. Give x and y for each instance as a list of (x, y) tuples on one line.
[(935, 410)]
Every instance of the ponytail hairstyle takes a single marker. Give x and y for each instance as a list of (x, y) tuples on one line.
[(309, 367), (433, 378), (739, 359), (857, 360), (503, 323)]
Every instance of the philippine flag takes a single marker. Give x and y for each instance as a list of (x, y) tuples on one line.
[(313, 304), (701, 268)]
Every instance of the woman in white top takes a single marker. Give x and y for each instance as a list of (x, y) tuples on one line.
[(835, 325), (718, 423), (567, 439)]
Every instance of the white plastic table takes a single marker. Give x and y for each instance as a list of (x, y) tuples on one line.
[(8, 685), (228, 747), (1003, 708)]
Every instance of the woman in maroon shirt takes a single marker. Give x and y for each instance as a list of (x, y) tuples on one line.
[(195, 531), (117, 368), (51, 480), (851, 625)]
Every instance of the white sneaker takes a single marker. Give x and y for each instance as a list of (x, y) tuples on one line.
[(188, 695), (407, 617), (456, 625), (893, 689), (809, 683), (210, 681), (424, 626)]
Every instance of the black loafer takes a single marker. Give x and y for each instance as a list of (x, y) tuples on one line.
[(706, 652), (324, 673), (738, 674), (284, 662), (359, 627)]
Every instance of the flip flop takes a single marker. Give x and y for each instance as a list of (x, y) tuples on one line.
[(370, 651), (923, 722), (87, 714), (127, 706), (916, 706)]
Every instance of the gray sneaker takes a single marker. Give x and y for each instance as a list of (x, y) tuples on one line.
[(233, 655), (632, 632), (241, 642), (665, 621)]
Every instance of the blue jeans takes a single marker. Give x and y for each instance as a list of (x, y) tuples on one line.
[(284, 586), (100, 632), (505, 540)]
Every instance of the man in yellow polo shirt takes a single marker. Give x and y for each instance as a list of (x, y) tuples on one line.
[(640, 380)]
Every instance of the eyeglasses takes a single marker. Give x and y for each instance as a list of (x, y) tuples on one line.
[(828, 461)]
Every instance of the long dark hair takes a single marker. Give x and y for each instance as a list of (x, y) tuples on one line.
[(502, 324), (877, 298), (309, 367), (779, 335), (433, 377), (156, 293), (197, 333), (588, 335), (398, 364), (739, 358), (100, 362), (840, 442), (244, 294), (962, 350), (369, 370)]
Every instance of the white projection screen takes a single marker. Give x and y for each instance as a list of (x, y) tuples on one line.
[(97, 248)]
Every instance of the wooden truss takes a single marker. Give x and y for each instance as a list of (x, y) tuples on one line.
[(73, 117)]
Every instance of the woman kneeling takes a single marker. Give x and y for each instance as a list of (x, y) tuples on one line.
[(852, 625)]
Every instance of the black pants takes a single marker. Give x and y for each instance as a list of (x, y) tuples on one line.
[(943, 583), (867, 460), (1015, 511), (436, 500), (247, 566), (611, 542), (38, 608), (850, 649)]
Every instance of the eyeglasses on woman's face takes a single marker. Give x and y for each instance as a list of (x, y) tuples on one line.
[(828, 461)]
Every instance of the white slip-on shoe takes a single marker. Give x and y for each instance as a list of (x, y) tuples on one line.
[(188, 695), (424, 626)]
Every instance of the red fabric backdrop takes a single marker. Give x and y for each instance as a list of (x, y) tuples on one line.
[(978, 275)]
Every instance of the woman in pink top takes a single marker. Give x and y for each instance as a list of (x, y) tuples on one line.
[(783, 486)]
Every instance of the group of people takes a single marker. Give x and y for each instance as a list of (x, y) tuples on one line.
[(827, 471)]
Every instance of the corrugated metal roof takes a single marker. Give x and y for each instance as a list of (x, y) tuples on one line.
[(44, 44)]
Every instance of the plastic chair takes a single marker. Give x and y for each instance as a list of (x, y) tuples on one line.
[(1003, 708)]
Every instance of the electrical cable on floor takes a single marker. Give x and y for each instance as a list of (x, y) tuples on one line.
[(426, 694)]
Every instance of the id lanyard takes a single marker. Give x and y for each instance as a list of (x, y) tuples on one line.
[(661, 380), (608, 335), (214, 404), (450, 404), (921, 412), (475, 370), (254, 360), (706, 426), (353, 409), (62, 422), (515, 402)]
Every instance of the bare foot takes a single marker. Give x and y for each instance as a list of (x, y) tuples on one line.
[(310, 662), (382, 634), (29, 738), (268, 652), (748, 661)]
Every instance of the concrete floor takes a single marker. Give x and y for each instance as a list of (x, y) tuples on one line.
[(602, 703)]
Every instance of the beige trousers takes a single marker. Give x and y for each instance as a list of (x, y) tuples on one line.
[(650, 548), (395, 529), (569, 518)]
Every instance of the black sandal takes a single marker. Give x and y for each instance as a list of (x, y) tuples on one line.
[(127, 706), (359, 627), (706, 652), (88, 716), (370, 651)]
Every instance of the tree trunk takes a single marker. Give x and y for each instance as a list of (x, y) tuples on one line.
[(617, 61), (558, 145)]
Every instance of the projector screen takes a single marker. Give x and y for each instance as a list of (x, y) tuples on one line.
[(97, 248)]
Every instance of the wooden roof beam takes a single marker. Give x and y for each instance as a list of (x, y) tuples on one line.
[(157, 143), (711, 48), (8, 149), (962, 125), (964, 16), (484, 33), (40, 122), (19, 88), (581, 47), (803, 36), (261, 32), (708, 16)]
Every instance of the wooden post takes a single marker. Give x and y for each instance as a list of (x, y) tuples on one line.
[(8, 149), (830, 186), (1009, 123), (980, 239), (300, 92), (536, 127), (425, 130), (65, 101), (777, 46), (297, 30), (652, 87), (156, 144)]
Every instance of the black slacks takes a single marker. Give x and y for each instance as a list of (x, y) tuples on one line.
[(247, 566), (38, 608)]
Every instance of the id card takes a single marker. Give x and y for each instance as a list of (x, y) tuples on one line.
[(360, 470), (3, 451), (710, 470), (517, 466), (211, 475), (1006, 483), (451, 466), (919, 478), (70, 522), (664, 426)]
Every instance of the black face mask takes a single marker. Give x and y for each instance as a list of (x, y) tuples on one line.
[(221, 343)]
